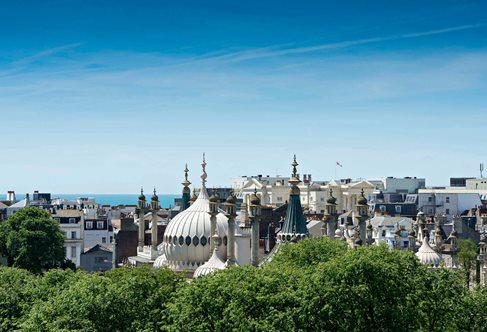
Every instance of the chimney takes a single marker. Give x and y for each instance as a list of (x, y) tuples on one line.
[(11, 196), (309, 177)]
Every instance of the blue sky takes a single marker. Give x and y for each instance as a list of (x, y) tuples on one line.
[(106, 96)]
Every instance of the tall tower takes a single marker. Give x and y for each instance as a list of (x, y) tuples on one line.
[(294, 224), (186, 191), (154, 205), (142, 207)]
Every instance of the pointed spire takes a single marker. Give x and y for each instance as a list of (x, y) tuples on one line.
[(203, 175), (294, 181), (186, 182)]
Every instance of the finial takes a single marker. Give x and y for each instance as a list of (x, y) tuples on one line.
[(154, 190), (141, 191), (203, 175), (294, 181)]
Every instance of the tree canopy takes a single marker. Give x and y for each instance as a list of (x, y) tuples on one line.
[(32, 240), (314, 285)]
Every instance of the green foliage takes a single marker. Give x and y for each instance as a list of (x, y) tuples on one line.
[(122, 300), (15, 296), (32, 240), (467, 255), (314, 285)]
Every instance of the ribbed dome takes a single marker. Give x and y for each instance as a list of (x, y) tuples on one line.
[(186, 242), (161, 261), (427, 255), (214, 264)]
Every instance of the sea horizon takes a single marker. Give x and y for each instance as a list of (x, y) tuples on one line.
[(165, 200)]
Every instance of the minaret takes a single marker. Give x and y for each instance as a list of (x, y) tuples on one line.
[(186, 191), (294, 223), (330, 215), (142, 207), (154, 229), (231, 213), (362, 210), (214, 200), (255, 210)]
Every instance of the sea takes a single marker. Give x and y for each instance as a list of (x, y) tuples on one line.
[(165, 201)]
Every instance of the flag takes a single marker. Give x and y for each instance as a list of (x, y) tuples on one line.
[(339, 164)]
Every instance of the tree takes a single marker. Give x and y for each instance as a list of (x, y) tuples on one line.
[(467, 256), (32, 240), (15, 297), (119, 300)]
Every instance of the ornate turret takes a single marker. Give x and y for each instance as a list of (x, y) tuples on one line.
[(141, 211), (154, 225), (294, 223), (186, 191), (329, 218)]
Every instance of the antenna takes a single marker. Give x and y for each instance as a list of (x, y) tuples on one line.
[(481, 170)]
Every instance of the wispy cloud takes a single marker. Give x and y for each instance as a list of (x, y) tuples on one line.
[(278, 50)]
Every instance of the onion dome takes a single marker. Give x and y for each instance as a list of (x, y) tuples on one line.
[(362, 200), (369, 226), (255, 200), (427, 255), (161, 261), (331, 200), (154, 197), (213, 264), (231, 199), (141, 196), (412, 233), (214, 198), (186, 242)]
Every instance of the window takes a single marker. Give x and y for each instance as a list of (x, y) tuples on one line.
[(72, 220), (384, 233), (103, 240), (65, 251), (447, 199), (430, 199), (382, 208), (322, 199), (73, 252), (73, 235), (398, 209), (111, 239), (279, 199), (89, 225), (99, 224), (57, 219), (447, 211)]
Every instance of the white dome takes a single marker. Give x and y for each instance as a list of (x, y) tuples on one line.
[(186, 242), (161, 261), (214, 264), (427, 255)]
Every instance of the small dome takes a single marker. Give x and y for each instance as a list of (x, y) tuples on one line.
[(362, 200), (369, 226), (412, 233), (213, 264), (161, 261), (338, 233), (427, 255), (214, 198), (331, 200), (141, 196), (231, 199), (255, 200)]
